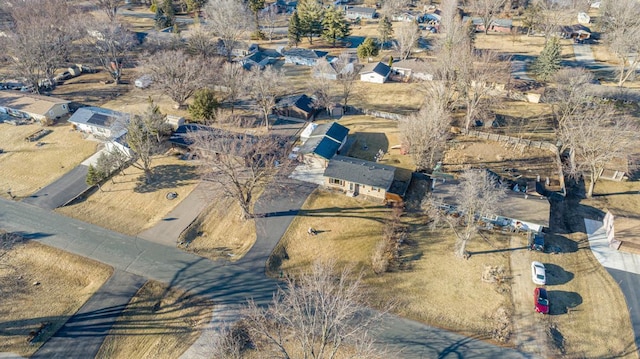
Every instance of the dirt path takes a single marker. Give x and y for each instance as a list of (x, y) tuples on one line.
[(529, 326)]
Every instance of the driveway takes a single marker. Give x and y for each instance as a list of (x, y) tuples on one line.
[(62, 190), (94, 320)]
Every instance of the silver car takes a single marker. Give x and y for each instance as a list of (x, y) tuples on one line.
[(538, 273)]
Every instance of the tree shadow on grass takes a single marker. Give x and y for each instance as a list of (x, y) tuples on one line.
[(166, 177), (562, 302)]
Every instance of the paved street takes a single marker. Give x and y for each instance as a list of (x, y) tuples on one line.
[(62, 190)]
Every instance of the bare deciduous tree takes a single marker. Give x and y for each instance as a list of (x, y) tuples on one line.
[(264, 87), (347, 76), (390, 8), (269, 20), (407, 35), (487, 10), (596, 136), (111, 44), (320, 87), (319, 315), (142, 139), (232, 78), (230, 20), (176, 74), (477, 194), (109, 7), (200, 43), (39, 38), (621, 22), (241, 164)]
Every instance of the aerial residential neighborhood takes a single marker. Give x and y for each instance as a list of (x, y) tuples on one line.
[(319, 179)]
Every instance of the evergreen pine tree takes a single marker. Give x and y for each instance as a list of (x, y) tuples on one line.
[(368, 49), (204, 106), (385, 30), (255, 6), (548, 63), (335, 25), (94, 177), (295, 33), (310, 13)]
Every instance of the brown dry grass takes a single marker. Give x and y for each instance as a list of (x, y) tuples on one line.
[(210, 235), (522, 44), (27, 168), (129, 206), (430, 291), (66, 282), (530, 120), (158, 322)]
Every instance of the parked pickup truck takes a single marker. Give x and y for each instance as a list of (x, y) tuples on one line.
[(536, 242)]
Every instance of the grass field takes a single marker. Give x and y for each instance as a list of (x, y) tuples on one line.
[(26, 168), (66, 282), (158, 322), (128, 205)]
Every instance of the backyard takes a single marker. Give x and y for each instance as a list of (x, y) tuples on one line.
[(27, 167)]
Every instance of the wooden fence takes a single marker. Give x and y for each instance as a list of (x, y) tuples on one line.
[(513, 140)]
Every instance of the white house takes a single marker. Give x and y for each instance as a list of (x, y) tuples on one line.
[(36, 107), (100, 122), (376, 73)]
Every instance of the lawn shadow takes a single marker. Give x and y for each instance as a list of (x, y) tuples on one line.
[(368, 144), (167, 176), (556, 275), (563, 302)]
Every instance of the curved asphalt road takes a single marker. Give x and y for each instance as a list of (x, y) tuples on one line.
[(221, 281)]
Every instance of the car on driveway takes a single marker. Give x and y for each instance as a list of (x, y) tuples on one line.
[(536, 242), (541, 300), (538, 273)]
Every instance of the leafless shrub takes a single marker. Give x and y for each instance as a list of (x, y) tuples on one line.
[(503, 328)]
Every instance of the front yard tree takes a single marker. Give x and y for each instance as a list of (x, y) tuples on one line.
[(39, 39), (241, 164), (264, 87), (256, 6), (478, 195), (548, 63), (94, 177), (109, 7), (230, 20), (621, 23), (200, 43), (111, 44), (385, 30), (177, 75), (204, 106), (310, 13), (424, 133), (321, 314), (368, 49), (233, 78), (142, 139), (406, 38), (269, 20), (487, 10), (595, 137), (295, 30), (347, 77), (335, 25)]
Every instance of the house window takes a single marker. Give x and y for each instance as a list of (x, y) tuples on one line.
[(336, 181)]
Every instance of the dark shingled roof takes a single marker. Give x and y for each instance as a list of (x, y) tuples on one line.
[(379, 68), (361, 10), (303, 102), (333, 130), (306, 53), (99, 116), (360, 171), (325, 140)]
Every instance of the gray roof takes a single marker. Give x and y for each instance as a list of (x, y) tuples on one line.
[(304, 53), (303, 102), (360, 171), (333, 130), (379, 68), (361, 10), (325, 140), (477, 21), (98, 116)]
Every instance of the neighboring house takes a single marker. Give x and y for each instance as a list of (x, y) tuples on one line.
[(357, 12), (258, 58), (300, 56), (327, 69), (100, 122), (359, 177), (287, 6), (376, 73), (411, 69), (324, 142), (497, 25), (578, 32), (36, 107), (298, 106), (407, 16), (240, 48)]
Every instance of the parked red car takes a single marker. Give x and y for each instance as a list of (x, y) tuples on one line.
[(541, 300)]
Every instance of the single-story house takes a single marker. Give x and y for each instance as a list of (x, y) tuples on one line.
[(324, 142), (258, 58), (497, 25), (300, 56), (328, 70), (359, 177), (411, 69), (579, 32), (287, 6), (376, 73), (240, 48), (358, 12), (100, 122), (36, 107), (298, 106)]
